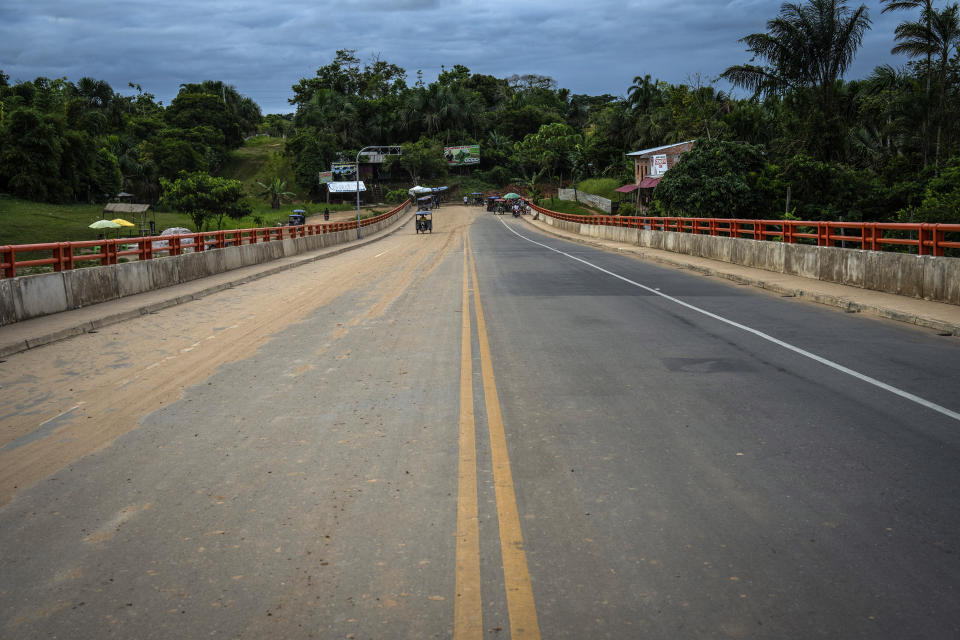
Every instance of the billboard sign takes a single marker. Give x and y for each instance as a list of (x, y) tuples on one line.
[(658, 165), (343, 170), (464, 155), (326, 176)]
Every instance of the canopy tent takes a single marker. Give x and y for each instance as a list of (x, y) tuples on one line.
[(416, 191), (348, 186)]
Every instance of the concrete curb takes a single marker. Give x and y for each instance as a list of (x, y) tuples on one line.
[(174, 300), (848, 305)]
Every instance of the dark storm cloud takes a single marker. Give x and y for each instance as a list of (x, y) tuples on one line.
[(264, 48)]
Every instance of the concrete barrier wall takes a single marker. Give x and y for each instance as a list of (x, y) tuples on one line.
[(598, 202), (27, 297), (927, 277)]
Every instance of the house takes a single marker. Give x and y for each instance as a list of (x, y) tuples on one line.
[(649, 165)]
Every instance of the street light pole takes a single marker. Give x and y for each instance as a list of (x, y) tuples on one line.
[(357, 185)]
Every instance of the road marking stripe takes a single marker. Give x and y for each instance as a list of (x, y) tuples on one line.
[(60, 415), (467, 608), (516, 576), (760, 334)]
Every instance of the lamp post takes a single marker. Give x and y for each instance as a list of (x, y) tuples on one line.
[(357, 185)]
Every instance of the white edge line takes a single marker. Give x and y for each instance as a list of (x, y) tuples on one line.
[(60, 415), (760, 334)]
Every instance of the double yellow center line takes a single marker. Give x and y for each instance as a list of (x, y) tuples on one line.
[(468, 616)]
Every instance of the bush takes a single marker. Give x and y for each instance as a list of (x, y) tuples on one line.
[(396, 196), (717, 179), (499, 176), (627, 209)]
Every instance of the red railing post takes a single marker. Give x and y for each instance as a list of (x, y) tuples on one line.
[(110, 252), (8, 261), (921, 238), (58, 257), (939, 236)]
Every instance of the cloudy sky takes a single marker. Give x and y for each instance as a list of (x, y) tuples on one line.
[(262, 48)]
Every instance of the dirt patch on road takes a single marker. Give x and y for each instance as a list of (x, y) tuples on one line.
[(71, 398)]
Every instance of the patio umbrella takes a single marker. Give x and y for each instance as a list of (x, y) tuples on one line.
[(122, 222), (105, 224), (511, 196)]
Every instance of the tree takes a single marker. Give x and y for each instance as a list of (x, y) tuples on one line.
[(717, 179), (810, 45), (191, 110), (643, 94), (941, 198), (420, 159), (938, 32), (204, 197), (310, 151), (926, 13), (550, 148), (275, 191)]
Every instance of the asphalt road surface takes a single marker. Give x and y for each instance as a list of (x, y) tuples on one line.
[(483, 432)]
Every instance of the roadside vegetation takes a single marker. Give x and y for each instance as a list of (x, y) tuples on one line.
[(885, 147)]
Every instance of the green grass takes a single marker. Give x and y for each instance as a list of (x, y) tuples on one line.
[(603, 187), (260, 159), (25, 222), (567, 206)]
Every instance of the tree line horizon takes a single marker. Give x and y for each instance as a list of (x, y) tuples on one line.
[(881, 148)]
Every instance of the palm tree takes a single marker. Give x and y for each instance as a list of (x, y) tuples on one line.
[(275, 191), (643, 93), (938, 32), (926, 13), (809, 45), (901, 5)]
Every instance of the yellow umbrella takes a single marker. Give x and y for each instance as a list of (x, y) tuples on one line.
[(120, 222)]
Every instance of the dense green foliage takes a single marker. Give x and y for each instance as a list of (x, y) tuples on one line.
[(82, 142), (205, 198), (883, 147)]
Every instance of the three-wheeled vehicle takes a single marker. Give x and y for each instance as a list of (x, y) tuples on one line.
[(296, 219), (424, 221)]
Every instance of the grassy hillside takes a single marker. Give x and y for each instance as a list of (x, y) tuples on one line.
[(603, 187), (259, 159)]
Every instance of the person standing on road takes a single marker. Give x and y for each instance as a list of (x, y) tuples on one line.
[(465, 200)]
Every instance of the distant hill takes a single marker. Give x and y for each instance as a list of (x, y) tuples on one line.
[(259, 159)]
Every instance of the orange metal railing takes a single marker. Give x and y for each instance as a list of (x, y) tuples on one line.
[(63, 256), (926, 238)]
